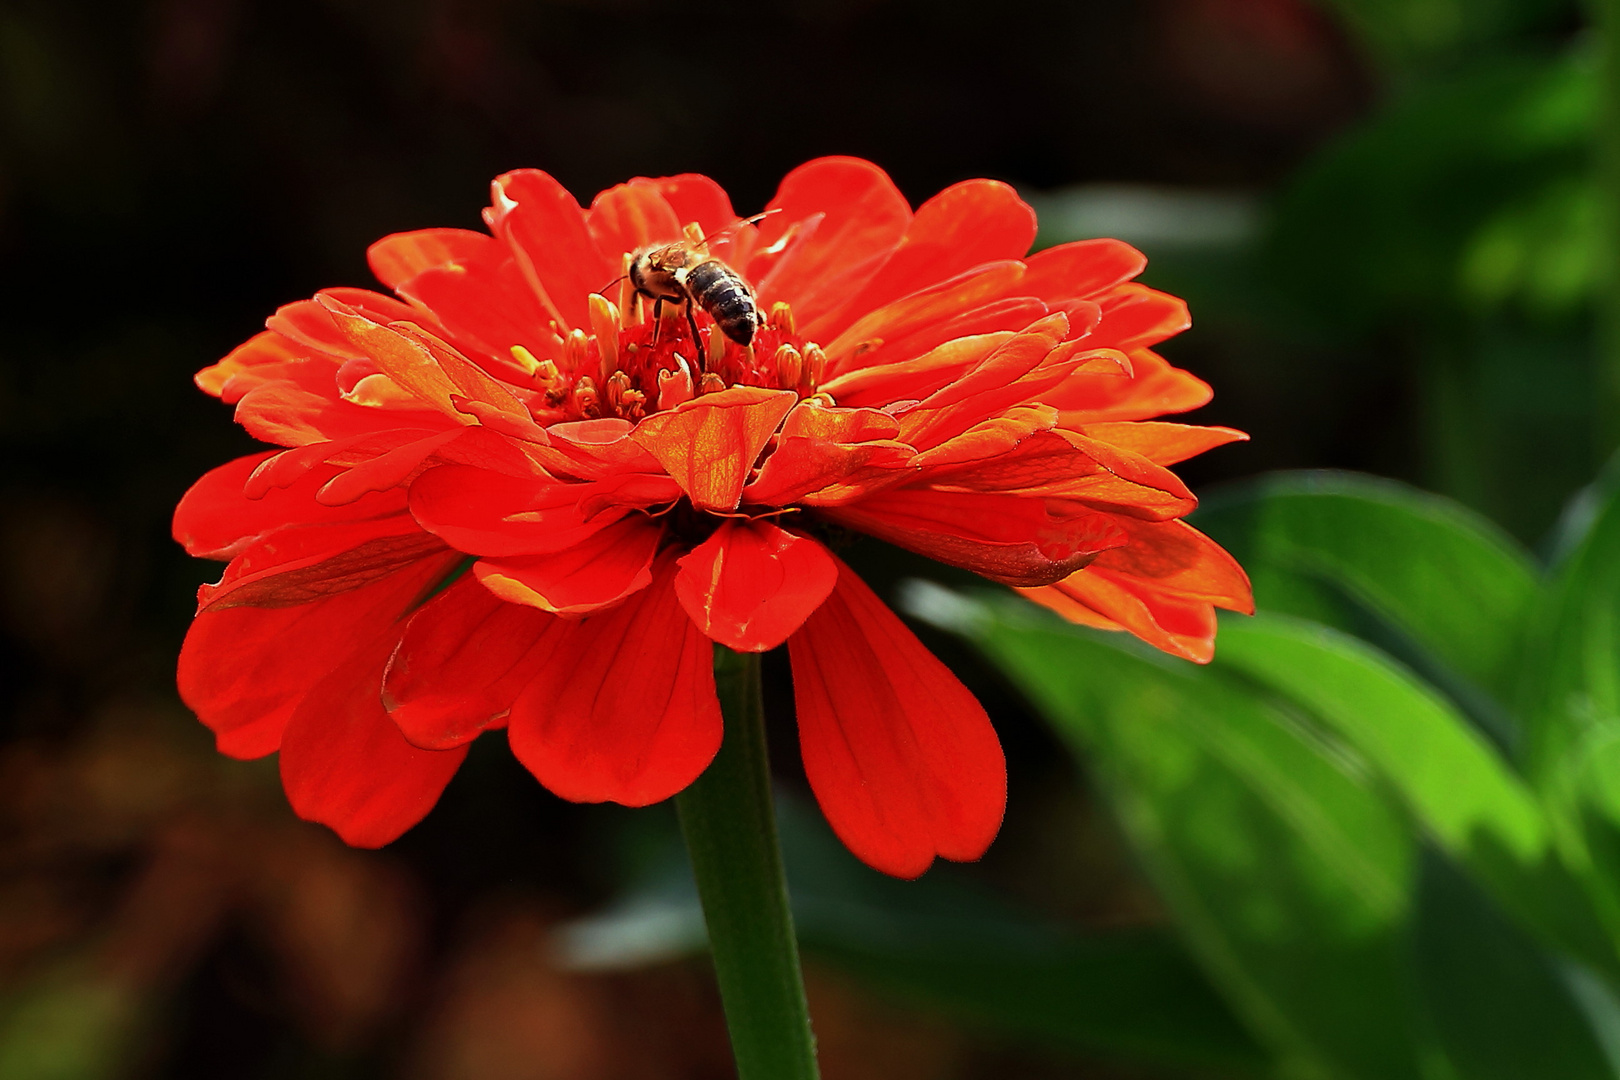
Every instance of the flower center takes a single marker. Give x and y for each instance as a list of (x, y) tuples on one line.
[(634, 364)]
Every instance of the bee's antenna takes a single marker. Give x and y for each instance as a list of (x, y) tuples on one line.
[(738, 224), (603, 290)]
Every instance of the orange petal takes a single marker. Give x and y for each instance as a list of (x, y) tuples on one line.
[(1084, 268), (824, 456), (1181, 627), (1179, 560), (1163, 443), (752, 584), (901, 757), (709, 444)]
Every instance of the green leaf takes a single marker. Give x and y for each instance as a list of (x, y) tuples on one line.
[(1284, 862), (1452, 590), (1388, 221), (1504, 1009), (1451, 781)]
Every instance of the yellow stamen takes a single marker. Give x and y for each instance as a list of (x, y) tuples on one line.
[(782, 317), (605, 322), (525, 360), (789, 367)]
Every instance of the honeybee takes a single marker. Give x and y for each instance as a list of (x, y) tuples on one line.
[(685, 273)]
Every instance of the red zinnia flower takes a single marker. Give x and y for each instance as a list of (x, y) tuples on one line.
[(626, 495)]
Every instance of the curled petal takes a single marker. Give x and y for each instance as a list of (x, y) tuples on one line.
[(825, 456), (901, 757), (623, 707), (599, 571), (299, 564), (345, 764), (464, 657), (752, 584), (709, 444), (1084, 268)]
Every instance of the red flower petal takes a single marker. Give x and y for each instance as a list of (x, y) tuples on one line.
[(398, 258), (243, 670), (464, 658), (709, 444), (602, 569), (697, 198), (967, 224), (631, 216), (846, 215), (1136, 317), (826, 456), (489, 513), (545, 229), (215, 520), (752, 584), (1083, 268), (345, 764), (901, 757), (1174, 558), (1007, 538), (623, 709), (299, 564)]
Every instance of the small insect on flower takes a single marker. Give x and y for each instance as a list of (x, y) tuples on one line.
[(686, 273)]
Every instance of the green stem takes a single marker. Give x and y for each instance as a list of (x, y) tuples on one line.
[(1606, 15), (730, 830)]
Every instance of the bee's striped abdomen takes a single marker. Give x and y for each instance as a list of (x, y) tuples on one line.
[(718, 290)]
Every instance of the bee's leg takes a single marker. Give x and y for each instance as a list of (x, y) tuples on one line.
[(697, 342), (658, 318)]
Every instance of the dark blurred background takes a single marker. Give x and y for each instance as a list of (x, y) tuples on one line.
[(1381, 213)]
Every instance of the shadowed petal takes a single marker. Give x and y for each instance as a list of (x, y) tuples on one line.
[(464, 658), (752, 584), (623, 709), (243, 670), (1007, 538), (345, 764), (901, 757)]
